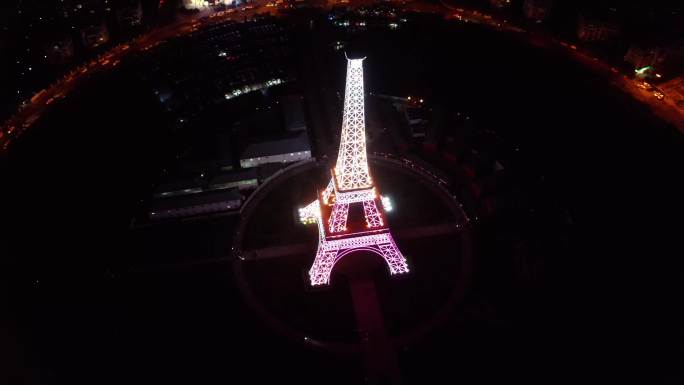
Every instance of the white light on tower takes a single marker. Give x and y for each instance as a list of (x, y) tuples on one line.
[(351, 184), (387, 204)]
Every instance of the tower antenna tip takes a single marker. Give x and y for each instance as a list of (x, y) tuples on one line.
[(348, 58)]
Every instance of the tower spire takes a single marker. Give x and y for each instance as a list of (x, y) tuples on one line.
[(351, 170)]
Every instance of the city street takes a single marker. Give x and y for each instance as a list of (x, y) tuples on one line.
[(33, 109), (664, 109)]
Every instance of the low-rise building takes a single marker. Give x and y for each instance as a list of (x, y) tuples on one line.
[(645, 55), (500, 4), (94, 35), (202, 4), (242, 179), (199, 204), (537, 10), (60, 50), (593, 29), (417, 117), (652, 53), (417, 121), (674, 89), (176, 187), (130, 16), (293, 112), (281, 150), (224, 152)]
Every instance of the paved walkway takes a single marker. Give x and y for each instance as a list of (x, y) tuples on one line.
[(379, 357)]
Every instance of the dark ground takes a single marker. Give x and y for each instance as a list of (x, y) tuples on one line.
[(79, 308)]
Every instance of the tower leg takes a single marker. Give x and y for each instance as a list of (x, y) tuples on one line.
[(395, 260), (328, 254), (320, 271)]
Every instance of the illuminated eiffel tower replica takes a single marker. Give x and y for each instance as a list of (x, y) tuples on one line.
[(351, 184)]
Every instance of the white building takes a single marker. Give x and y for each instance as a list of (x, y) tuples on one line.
[(242, 180), (195, 4), (198, 204), (286, 150), (202, 4)]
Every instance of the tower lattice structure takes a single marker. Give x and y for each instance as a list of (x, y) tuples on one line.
[(351, 187)]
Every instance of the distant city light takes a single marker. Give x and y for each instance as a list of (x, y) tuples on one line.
[(253, 87)]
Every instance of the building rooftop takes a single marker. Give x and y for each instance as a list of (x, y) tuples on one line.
[(195, 199), (239, 175), (289, 144), (187, 185), (293, 111)]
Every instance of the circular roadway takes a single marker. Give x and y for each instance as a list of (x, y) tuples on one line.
[(273, 252)]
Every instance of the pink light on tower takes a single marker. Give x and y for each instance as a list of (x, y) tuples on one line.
[(350, 184)]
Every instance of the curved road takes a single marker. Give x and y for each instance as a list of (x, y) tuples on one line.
[(31, 110)]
